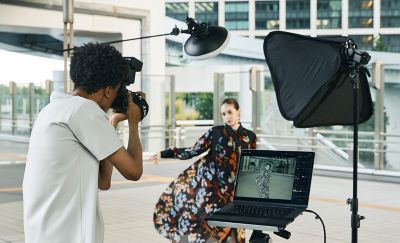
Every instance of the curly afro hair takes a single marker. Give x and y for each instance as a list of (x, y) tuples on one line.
[(95, 66)]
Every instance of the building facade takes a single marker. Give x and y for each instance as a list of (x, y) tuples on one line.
[(373, 24)]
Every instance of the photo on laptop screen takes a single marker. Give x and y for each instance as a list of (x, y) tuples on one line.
[(266, 177)]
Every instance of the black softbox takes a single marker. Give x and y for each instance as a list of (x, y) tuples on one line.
[(312, 81)]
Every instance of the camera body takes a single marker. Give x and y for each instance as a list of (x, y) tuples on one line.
[(120, 103)]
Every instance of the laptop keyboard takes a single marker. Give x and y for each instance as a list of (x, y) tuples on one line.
[(255, 210)]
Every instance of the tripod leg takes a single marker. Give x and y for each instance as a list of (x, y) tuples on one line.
[(259, 237)]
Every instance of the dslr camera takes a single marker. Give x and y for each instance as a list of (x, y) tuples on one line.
[(120, 103)]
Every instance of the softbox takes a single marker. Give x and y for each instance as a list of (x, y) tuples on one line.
[(312, 82)]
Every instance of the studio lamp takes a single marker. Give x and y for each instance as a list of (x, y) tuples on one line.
[(204, 42), (321, 81)]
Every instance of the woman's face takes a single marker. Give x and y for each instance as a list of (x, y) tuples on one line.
[(230, 115)]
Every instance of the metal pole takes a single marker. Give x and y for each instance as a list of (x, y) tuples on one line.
[(378, 81), (31, 98), (65, 54), (218, 97), (255, 87), (70, 53), (353, 202), (172, 120), (12, 90), (354, 216), (68, 18)]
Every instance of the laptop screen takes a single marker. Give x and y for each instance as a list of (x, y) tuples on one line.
[(275, 176)]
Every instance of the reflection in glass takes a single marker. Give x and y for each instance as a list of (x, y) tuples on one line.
[(298, 14), (237, 15), (207, 12), (329, 14), (177, 10), (361, 13), (267, 15), (390, 13)]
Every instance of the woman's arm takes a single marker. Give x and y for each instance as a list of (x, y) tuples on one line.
[(201, 146), (253, 143)]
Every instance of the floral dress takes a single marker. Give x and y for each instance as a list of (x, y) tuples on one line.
[(262, 183), (203, 188)]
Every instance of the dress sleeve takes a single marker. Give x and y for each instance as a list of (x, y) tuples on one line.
[(201, 145), (253, 142)]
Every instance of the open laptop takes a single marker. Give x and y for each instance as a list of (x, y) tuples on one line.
[(272, 188)]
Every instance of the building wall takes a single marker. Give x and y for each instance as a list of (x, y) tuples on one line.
[(366, 20), (95, 19)]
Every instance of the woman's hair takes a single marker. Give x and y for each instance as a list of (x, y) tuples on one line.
[(231, 101), (96, 66)]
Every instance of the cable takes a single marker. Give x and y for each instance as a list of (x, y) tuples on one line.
[(318, 217)]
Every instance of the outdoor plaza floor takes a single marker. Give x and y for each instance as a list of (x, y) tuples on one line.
[(128, 209)]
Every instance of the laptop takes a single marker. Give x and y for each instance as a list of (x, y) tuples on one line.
[(272, 188)]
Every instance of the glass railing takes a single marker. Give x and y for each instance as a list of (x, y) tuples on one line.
[(378, 145)]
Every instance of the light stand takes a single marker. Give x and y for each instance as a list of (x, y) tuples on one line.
[(354, 75), (315, 80)]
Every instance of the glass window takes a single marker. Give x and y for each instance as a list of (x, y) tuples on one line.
[(267, 15), (237, 15), (363, 42), (329, 14), (390, 13), (391, 42), (297, 14), (207, 12), (361, 13), (177, 10)]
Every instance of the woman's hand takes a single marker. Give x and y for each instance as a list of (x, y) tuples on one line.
[(155, 157), (116, 117)]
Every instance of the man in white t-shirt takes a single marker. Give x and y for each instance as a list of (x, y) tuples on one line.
[(73, 149)]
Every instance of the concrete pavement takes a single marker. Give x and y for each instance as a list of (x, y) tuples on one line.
[(128, 208)]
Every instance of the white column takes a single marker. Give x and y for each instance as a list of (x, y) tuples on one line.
[(345, 17), (313, 17), (377, 17), (252, 18), (245, 96), (192, 9), (221, 12), (58, 79), (282, 15)]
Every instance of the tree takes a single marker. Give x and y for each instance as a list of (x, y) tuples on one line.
[(379, 45)]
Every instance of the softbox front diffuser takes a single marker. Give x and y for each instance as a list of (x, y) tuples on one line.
[(312, 82)]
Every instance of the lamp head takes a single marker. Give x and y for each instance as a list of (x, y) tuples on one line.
[(353, 56), (204, 41)]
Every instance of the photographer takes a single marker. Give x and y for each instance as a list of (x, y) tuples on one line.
[(73, 148)]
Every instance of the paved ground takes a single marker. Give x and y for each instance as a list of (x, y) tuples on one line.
[(128, 208)]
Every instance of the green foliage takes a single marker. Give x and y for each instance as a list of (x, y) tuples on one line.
[(201, 102), (193, 106), (379, 45)]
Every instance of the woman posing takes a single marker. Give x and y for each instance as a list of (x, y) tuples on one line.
[(207, 185)]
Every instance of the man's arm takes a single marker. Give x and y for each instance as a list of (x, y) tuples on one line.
[(128, 162), (105, 172)]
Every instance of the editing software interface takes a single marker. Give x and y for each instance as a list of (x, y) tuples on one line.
[(274, 177)]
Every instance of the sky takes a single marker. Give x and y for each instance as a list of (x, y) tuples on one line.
[(23, 68)]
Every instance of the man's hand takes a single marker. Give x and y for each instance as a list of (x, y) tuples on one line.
[(133, 111)]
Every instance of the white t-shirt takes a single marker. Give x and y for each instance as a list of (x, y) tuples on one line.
[(60, 188)]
